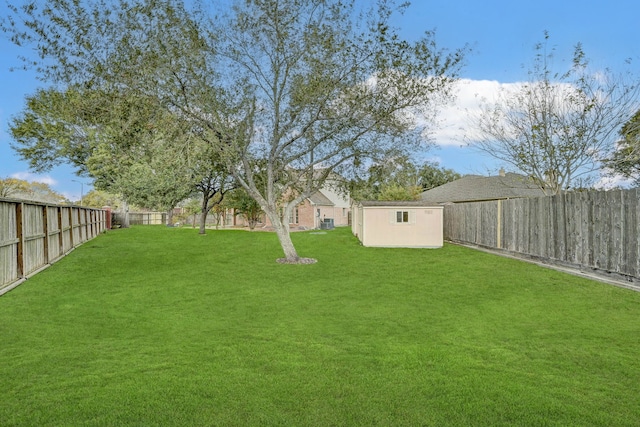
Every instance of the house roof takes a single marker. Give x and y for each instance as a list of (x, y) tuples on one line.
[(397, 203), (474, 188), (320, 199)]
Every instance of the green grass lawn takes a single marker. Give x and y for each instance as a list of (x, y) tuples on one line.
[(156, 326)]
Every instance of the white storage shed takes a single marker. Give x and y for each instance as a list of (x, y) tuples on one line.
[(405, 224)]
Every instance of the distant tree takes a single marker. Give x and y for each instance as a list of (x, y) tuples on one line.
[(395, 191), (397, 177), (298, 84), (625, 160), (431, 175), (387, 175), (33, 191), (12, 187), (159, 182), (246, 206), (104, 136), (558, 127), (213, 188), (192, 207), (42, 192), (99, 199)]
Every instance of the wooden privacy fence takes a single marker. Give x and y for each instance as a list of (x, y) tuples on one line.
[(596, 230), (141, 218), (34, 235)]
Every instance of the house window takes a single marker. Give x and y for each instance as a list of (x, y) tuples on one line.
[(293, 216), (402, 216)]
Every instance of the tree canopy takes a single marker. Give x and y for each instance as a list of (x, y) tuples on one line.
[(626, 158), (13, 187), (99, 199), (30, 190), (244, 205), (400, 178), (298, 89), (128, 144), (56, 127)]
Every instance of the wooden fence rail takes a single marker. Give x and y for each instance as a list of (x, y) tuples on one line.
[(594, 230), (34, 235)]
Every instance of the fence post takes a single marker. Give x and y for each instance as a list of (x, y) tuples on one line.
[(72, 242), (87, 228), (61, 230), (107, 217), (45, 226), (499, 226), (20, 235)]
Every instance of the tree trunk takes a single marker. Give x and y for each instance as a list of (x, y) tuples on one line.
[(204, 210), (125, 216), (252, 222), (284, 236), (203, 221), (170, 217)]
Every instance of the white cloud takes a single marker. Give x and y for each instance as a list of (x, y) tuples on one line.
[(454, 120), (608, 182), (71, 196), (31, 177)]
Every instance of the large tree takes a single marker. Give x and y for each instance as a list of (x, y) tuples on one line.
[(326, 92), (304, 87), (559, 126), (126, 143)]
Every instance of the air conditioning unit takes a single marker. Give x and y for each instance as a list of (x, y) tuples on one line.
[(327, 224)]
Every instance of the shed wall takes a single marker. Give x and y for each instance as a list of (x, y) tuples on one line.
[(423, 230)]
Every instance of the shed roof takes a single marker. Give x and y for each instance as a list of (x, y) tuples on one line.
[(397, 203), (477, 188)]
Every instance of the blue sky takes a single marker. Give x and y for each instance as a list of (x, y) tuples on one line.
[(501, 33)]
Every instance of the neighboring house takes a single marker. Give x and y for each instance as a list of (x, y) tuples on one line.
[(476, 188), (320, 207), (327, 204), (324, 204), (407, 224), (338, 208)]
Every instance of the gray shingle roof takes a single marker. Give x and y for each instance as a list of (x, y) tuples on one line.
[(320, 199), (472, 188)]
